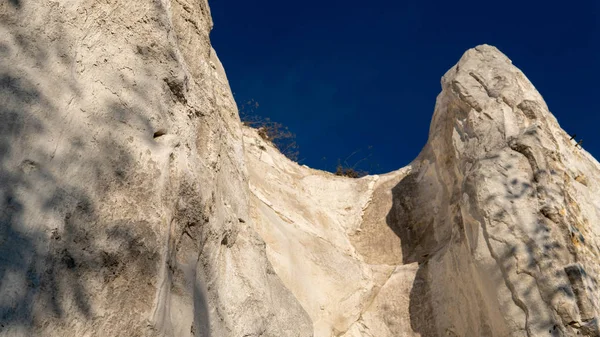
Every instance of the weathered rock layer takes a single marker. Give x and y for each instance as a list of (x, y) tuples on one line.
[(491, 231), (135, 204)]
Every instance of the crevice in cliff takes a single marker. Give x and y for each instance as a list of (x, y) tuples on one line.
[(483, 85), (178, 88), (463, 96), (159, 133), (525, 150)]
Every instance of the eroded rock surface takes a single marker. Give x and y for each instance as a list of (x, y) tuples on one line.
[(123, 189), (491, 231), (511, 222), (133, 202)]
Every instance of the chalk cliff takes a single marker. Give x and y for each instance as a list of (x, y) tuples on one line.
[(122, 179), (134, 203), (491, 231)]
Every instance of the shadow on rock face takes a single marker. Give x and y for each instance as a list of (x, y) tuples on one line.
[(409, 220), (507, 255), (59, 257), (201, 319), (15, 3)]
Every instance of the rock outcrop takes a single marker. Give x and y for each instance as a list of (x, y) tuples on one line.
[(123, 188), (490, 231), (134, 203)]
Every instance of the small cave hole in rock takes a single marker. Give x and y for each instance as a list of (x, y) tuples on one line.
[(159, 133)]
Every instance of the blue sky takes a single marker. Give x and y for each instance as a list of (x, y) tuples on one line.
[(346, 75)]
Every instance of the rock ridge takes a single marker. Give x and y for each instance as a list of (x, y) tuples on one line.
[(481, 235), (134, 202)]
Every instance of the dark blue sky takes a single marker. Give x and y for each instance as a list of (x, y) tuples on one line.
[(345, 75)]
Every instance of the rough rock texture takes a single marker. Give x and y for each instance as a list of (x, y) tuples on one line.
[(495, 212), (133, 202), (491, 231), (123, 191)]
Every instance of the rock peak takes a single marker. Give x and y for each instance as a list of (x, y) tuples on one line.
[(486, 100)]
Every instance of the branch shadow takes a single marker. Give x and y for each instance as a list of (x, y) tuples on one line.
[(542, 248), (59, 252)]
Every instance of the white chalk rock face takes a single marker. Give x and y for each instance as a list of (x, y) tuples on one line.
[(123, 188), (509, 244), (134, 203), (491, 231)]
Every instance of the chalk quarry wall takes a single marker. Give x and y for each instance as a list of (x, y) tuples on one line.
[(134, 203)]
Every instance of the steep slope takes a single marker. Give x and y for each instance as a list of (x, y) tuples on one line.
[(133, 203), (123, 191), (491, 231)]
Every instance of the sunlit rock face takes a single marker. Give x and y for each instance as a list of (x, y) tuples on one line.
[(513, 243), (134, 203), (491, 231)]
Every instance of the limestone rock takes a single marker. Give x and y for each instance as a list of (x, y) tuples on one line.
[(134, 203), (123, 189), (511, 226), (490, 231)]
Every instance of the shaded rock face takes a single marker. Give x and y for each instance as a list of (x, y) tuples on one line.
[(133, 202), (123, 189)]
